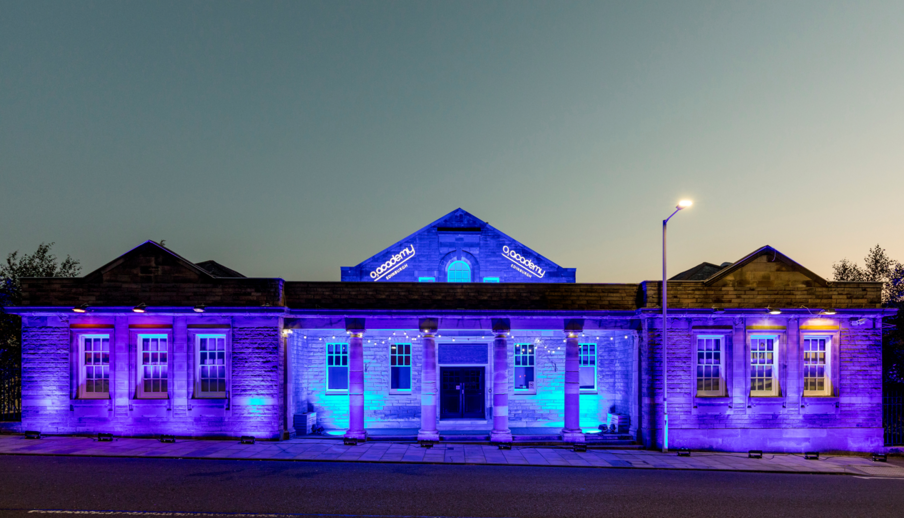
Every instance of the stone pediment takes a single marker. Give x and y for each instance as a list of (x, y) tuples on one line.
[(149, 262), (766, 268)]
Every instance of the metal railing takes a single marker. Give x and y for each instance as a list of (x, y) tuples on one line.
[(893, 419)]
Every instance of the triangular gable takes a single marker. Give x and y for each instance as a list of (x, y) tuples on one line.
[(766, 267), (459, 230), (149, 262)]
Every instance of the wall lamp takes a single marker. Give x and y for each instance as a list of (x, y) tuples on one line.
[(199, 308), (718, 309), (80, 309), (828, 312), (140, 308), (773, 311)]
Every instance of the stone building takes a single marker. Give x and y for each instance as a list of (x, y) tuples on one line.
[(456, 329)]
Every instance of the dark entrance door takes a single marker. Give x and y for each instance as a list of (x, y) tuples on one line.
[(461, 392)]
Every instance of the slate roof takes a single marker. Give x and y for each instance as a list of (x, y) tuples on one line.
[(218, 270)]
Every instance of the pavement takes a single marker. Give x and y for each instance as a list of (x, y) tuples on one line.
[(450, 453)]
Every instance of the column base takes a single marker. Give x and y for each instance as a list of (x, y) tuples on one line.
[(359, 435), (504, 436), (423, 435), (572, 436)]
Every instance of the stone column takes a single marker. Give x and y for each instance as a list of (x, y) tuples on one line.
[(428, 431), (572, 431), (501, 431), (355, 329)]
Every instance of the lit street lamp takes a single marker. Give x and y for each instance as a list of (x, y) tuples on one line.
[(683, 204)]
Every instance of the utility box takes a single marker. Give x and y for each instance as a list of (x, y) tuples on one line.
[(304, 423)]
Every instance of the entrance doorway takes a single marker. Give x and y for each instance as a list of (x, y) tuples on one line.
[(462, 393)]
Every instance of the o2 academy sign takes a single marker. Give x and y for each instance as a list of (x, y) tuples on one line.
[(394, 265), (523, 264)]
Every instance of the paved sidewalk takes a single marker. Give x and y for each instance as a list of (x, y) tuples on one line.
[(327, 449)]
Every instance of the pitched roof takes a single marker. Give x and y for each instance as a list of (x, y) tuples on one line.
[(772, 256), (218, 270), (701, 272)]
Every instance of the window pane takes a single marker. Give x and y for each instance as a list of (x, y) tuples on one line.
[(338, 378)]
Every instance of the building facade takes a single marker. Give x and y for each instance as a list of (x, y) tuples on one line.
[(457, 329)]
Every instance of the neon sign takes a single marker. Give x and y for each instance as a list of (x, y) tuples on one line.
[(394, 265), (523, 264)]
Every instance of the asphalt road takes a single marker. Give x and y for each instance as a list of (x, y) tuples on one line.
[(162, 486)]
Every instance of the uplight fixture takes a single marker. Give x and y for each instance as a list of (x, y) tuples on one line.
[(828, 312), (80, 309), (773, 311), (200, 308), (140, 308)]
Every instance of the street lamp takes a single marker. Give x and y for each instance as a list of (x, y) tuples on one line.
[(683, 204)]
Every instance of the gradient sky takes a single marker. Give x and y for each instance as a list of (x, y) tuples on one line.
[(291, 138)]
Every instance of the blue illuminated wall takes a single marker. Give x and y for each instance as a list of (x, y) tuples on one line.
[(458, 236)]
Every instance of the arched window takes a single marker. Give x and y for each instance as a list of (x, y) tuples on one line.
[(458, 271)]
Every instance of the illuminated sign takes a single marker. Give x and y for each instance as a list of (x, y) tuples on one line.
[(394, 265), (523, 264)]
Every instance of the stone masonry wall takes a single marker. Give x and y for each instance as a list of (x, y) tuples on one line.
[(50, 398), (544, 408), (849, 420)]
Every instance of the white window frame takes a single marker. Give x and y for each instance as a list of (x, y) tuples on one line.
[(721, 392), (532, 354), (82, 373), (326, 366), (139, 380), (410, 366), (827, 390), (777, 340), (581, 365), (198, 392)]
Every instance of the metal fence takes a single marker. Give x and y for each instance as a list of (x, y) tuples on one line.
[(893, 419), (10, 391)]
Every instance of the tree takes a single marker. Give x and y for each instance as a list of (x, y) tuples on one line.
[(42, 263), (878, 267)]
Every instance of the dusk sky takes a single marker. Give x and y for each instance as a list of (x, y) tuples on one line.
[(291, 138)]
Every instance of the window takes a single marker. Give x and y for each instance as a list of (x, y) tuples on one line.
[(763, 366), (337, 367), (710, 381), (400, 367), (426, 279), (524, 366), (152, 366), (94, 371), (587, 364), (817, 362), (491, 279), (458, 271), (210, 362)]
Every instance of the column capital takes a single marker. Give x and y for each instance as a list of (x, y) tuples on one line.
[(574, 325), (428, 325), (354, 325), (501, 326)]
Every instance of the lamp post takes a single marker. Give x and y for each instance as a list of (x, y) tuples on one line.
[(683, 204)]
